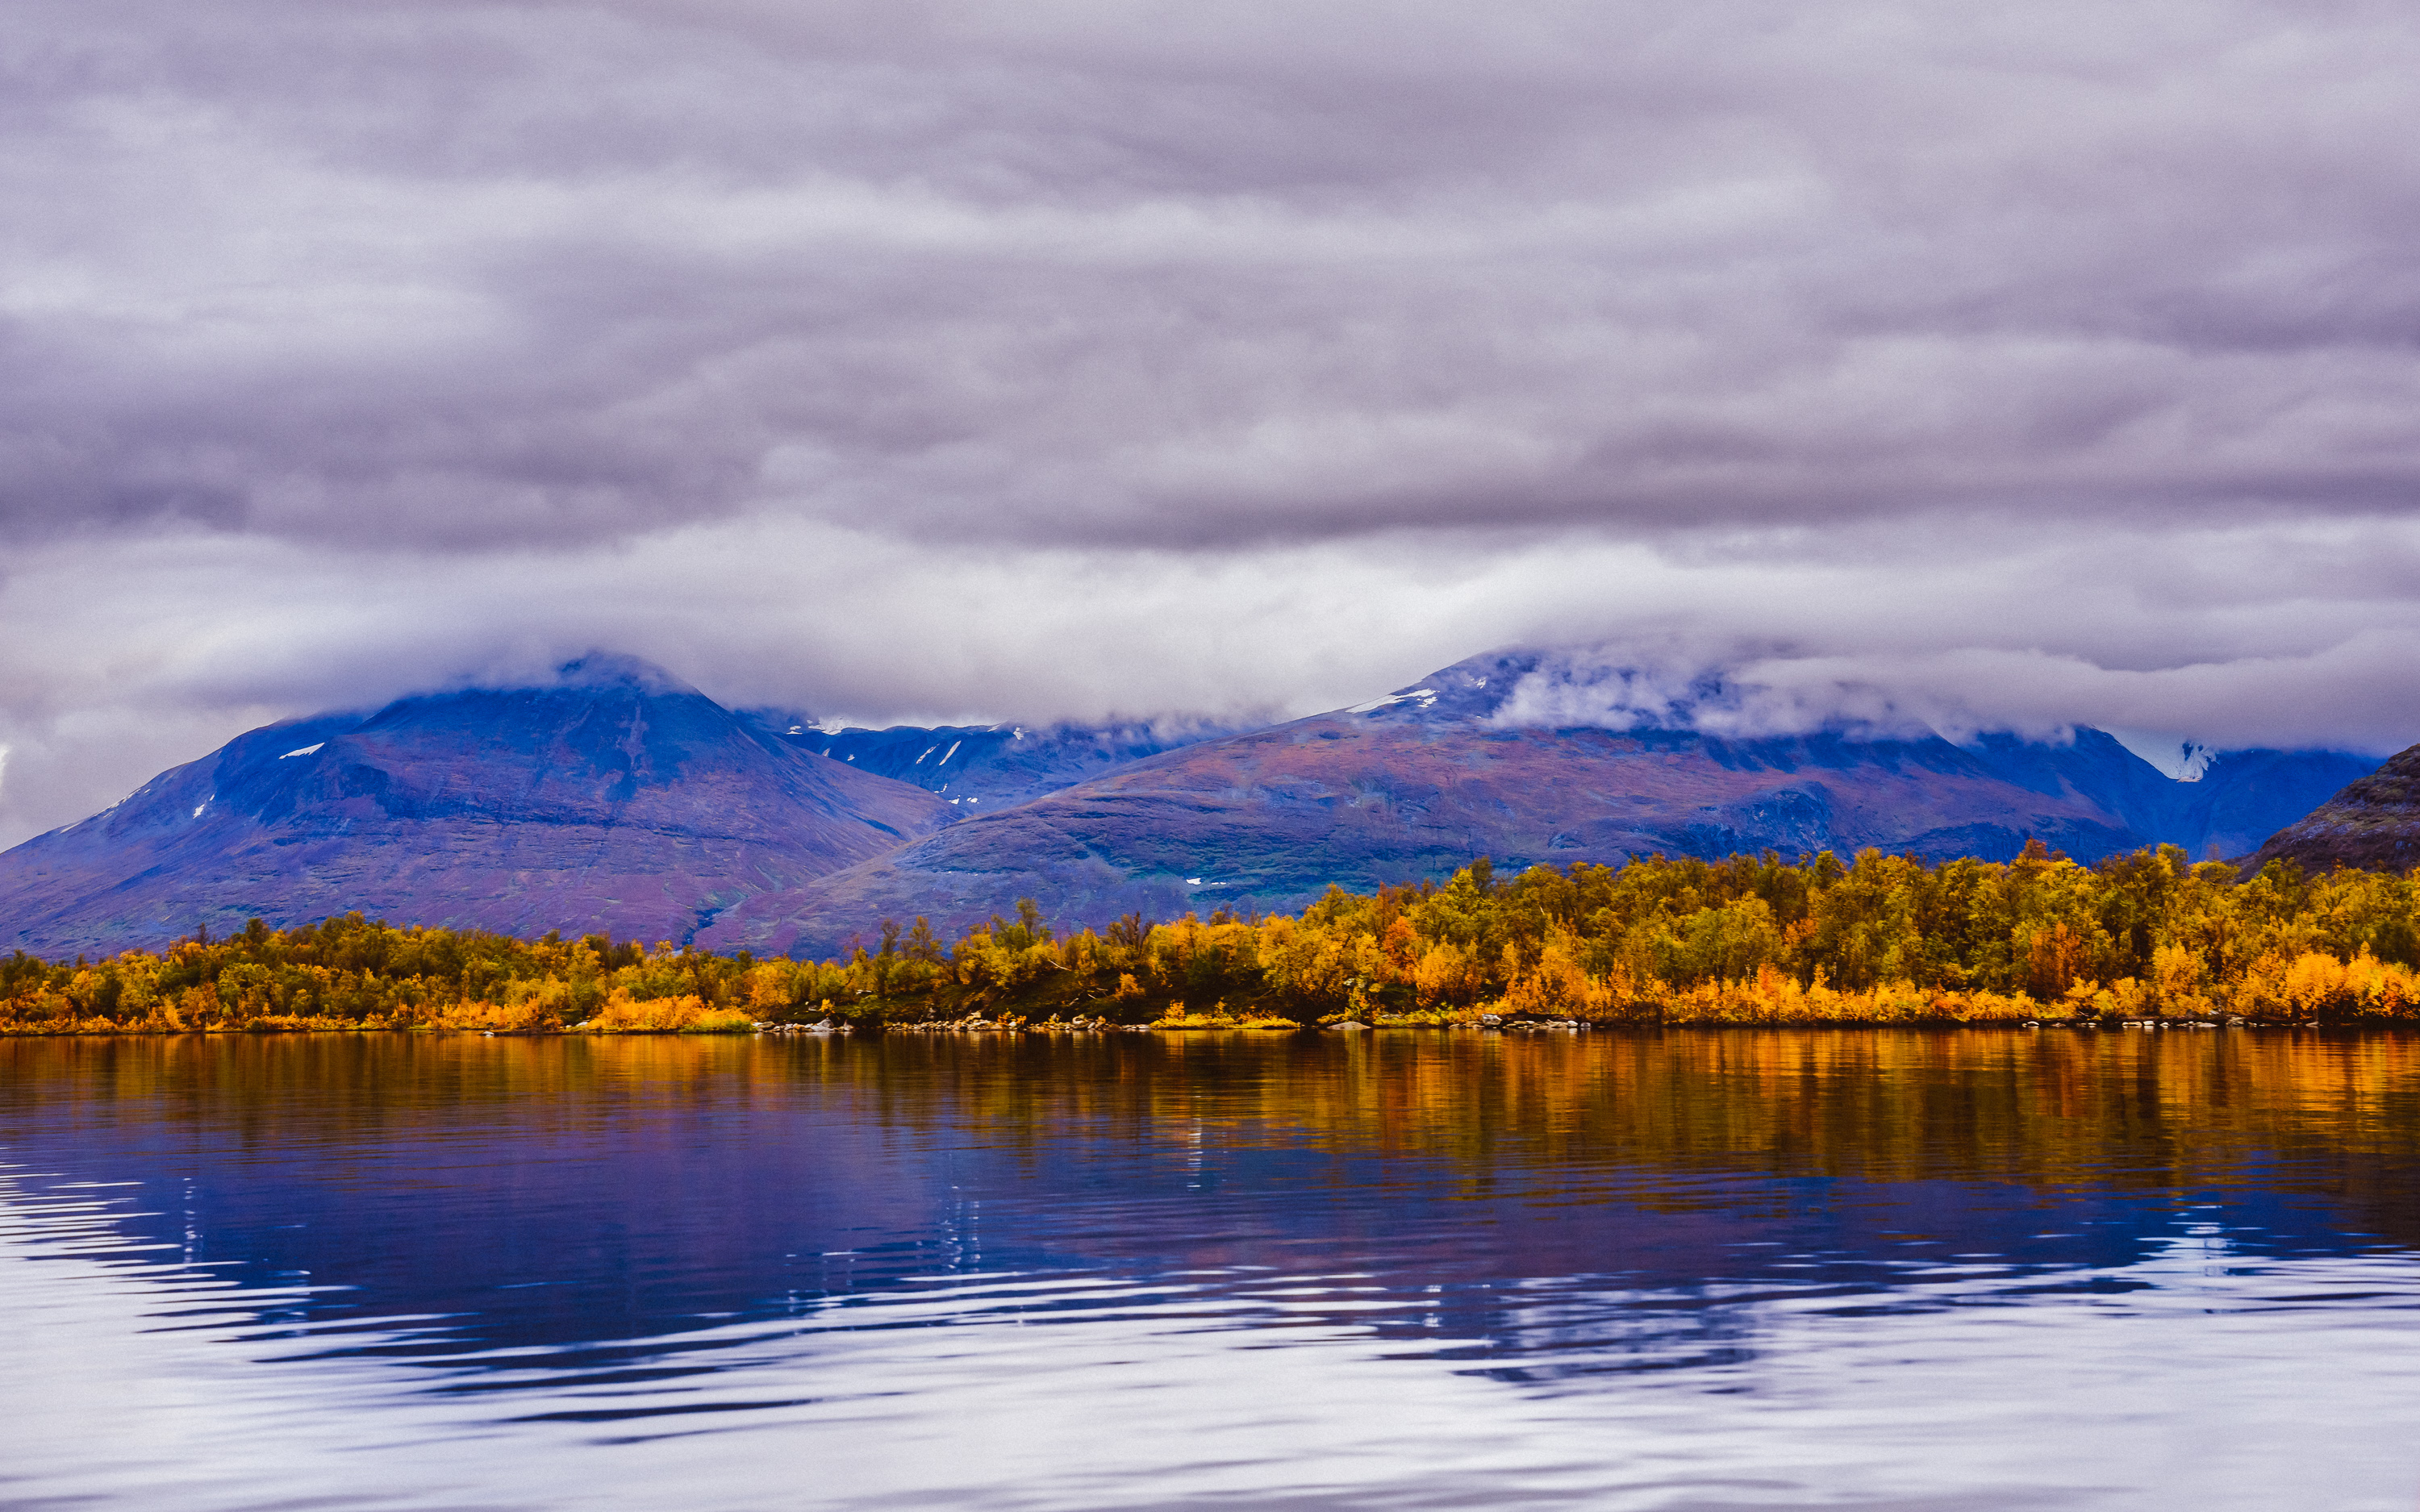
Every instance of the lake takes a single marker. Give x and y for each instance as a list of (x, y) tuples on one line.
[(1684, 1270)]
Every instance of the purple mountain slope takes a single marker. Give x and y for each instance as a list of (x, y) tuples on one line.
[(1416, 784), (615, 798), (984, 767)]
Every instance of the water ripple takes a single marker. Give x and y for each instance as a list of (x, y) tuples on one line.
[(202, 1315)]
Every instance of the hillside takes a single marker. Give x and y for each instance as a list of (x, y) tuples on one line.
[(617, 799), (614, 798), (987, 768), (2373, 824), (1414, 785)]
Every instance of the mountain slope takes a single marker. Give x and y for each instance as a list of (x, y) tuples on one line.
[(614, 798), (2373, 824), (1418, 783), (984, 767), (2236, 797)]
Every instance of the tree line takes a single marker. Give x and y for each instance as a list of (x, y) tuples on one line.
[(1751, 939)]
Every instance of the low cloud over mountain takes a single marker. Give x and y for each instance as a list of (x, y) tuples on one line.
[(952, 363), (608, 794), (1958, 694)]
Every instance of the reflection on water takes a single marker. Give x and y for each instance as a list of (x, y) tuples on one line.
[(1689, 1269)]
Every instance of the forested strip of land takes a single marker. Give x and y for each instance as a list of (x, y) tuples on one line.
[(1752, 940)]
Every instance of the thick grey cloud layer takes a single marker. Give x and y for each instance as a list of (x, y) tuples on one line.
[(2026, 365)]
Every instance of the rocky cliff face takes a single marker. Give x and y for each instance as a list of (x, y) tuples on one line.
[(1418, 783), (614, 798), (2373, 824)]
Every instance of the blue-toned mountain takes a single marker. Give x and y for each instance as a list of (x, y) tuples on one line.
[(613, 797), (2235, 799), (1416, 784), (2373, 824)]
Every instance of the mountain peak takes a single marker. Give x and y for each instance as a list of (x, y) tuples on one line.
[(613, 795), (1474, 688), (613, 669)]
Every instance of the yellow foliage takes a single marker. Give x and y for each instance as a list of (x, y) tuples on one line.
[(686, 1015), (523, 1018), (1555, 987), (1875, 939), (2176, 974), (1444, 975), (769, 985)]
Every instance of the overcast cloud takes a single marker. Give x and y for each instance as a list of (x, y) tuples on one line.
[(2013, 367)]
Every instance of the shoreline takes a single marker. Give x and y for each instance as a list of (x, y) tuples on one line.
[(1517, 1029)]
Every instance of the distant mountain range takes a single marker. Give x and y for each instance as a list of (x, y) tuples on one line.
[(618, 798), (1416, 784)]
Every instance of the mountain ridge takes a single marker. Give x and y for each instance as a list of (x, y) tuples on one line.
[(993, 766), (618, 797), (1417, 783), (615, 797)]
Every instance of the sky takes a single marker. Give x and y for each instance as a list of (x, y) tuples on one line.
[(2005, 367)]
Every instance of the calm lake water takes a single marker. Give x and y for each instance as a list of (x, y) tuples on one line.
[(1683, 1269)]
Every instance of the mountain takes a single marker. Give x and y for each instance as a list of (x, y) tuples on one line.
[(2231, 800), (613, 797), (1415, 784), (2373, 824), (986, 767)]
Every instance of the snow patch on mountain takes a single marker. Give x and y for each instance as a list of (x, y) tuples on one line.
[(2175, 756)]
